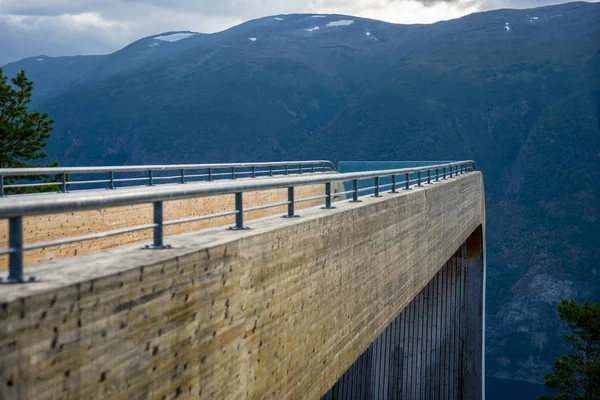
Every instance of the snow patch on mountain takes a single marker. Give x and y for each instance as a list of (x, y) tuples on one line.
[(316, 28), (174, 37), (317, 16), (370, 36), (342, 22), (507, 26), (278, 19), (252, 39)]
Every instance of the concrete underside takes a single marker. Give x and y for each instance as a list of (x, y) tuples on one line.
[(278, 311)]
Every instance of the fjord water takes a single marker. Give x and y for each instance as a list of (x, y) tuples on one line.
[(505, 389)]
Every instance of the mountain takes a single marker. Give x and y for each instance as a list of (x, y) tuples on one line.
[(278, 66), (518, 91), (56, 75)]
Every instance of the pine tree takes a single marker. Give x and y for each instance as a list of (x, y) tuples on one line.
[(577, 375), (23, 134)]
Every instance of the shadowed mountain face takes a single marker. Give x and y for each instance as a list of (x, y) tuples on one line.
[(253, 92), (518, 91)]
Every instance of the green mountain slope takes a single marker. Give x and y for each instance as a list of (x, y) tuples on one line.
[(545, 242), (230, 98)]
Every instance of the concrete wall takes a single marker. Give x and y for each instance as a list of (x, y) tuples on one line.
[(278, 311), (52, 227)]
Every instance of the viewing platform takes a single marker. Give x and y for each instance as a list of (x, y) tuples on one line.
[(200, 288)]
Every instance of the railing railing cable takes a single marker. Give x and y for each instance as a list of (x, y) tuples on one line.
[(15, 209)]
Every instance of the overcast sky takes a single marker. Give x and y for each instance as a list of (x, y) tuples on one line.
[(69, 27)]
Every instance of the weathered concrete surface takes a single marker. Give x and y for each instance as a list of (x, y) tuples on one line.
[(279, 311)]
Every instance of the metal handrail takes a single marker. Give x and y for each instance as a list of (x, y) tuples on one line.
[(234, 170), (14, 209)]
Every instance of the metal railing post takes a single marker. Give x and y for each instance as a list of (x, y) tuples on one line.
[(300, 168), (1, 186), (376, 194), (270, 170), (15, 237), (210, 174), (444, 178), (150, 178), (355, 191), (182, 177), (419, 178), (451, 171), (328, 195), (232, 172), (290, 206), (158, 229), (437, 174), (428, 176), (253, 172), (15, 259), (111, 180), (286, 169), (312, 168), (393, 184), (63, 184), (239, 216), (407, 182)]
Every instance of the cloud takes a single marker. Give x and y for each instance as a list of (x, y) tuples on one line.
[(48, 8), (68, 27), (65, 35)]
